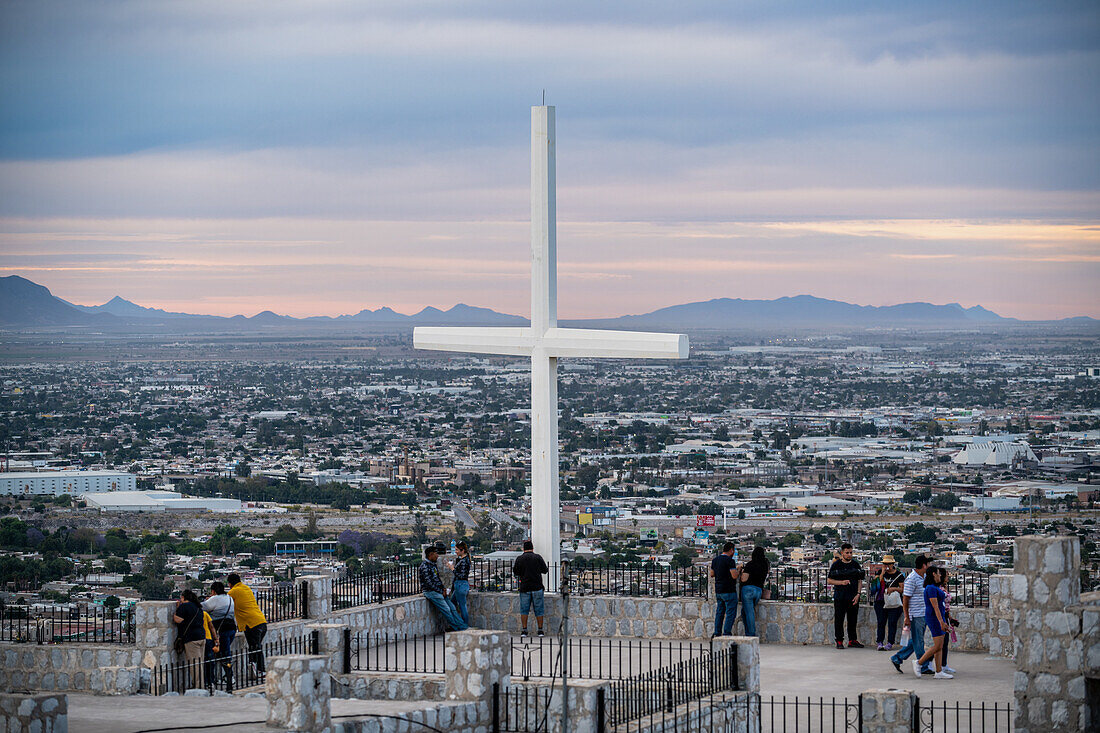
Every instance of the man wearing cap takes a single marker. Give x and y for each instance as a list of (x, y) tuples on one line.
[(912, 610), (432, 588), (885, 592)]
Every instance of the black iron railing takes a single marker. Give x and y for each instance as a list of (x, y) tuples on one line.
[(599, 659), (808, 585), (663, 690), (803, 714), (360, 589), (397, 653), (963, 717), (227, 672), (523, 708), (67, 624), (638, 580), (283, 602)]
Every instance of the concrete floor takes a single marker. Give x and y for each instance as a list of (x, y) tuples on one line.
[(91, 714), (826, 671), (793, 671)]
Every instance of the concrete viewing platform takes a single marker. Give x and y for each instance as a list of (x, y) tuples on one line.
[(820, 671)]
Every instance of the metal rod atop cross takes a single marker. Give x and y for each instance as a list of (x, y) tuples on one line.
[(544, 342)]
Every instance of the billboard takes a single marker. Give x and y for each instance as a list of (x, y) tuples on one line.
[(701, 536), (584, 518), (648, 537), (704, 520)]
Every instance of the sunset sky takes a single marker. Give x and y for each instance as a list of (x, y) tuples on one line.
[(321, 157)]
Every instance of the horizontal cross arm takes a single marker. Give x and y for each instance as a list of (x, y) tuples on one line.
[(557, 342), (492, 340), (588, 342)]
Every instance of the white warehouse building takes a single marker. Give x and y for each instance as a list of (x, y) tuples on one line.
[(74, 483), (159, 501)]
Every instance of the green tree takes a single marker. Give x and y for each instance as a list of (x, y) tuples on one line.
[(682, 557)]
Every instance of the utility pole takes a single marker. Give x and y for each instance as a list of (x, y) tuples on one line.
[(564, 646)]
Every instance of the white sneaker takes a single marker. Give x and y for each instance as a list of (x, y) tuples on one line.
[(943, 675), (948, 669), (916, 667)]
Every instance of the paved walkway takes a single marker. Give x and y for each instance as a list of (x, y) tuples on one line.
[(92, 714), (826, 671)]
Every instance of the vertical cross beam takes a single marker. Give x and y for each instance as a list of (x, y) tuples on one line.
[(545, 519)]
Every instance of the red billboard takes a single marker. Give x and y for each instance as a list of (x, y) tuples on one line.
[(704, 520)]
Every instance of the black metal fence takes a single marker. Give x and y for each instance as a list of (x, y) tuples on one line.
[(283, 602), (648, 579), (599, 659), (360, 589), (397, 653), (524, 708), (67, 624), (783, 714), (638, 580), (963, 717), (808, 584), (665, 689), (227, 672)]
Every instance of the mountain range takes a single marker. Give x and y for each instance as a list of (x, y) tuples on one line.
[(26, 305)]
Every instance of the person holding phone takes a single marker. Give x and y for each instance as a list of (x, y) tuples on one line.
[(885, 591)]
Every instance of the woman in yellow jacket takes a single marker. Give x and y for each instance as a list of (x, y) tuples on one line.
[(250, 620)]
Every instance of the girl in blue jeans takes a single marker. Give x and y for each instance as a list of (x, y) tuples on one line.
[(753, 576)]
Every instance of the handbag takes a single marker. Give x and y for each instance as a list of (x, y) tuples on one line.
[(892, 600)]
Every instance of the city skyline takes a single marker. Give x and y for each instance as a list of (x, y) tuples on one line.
[(320, 161)]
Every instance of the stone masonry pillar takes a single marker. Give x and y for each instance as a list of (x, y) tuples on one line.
[(319, 590), (1002, 642), (299, 693), (1050, 652), (154, 631), (748, 659), (474, 661), (887, 711), (330, 643)]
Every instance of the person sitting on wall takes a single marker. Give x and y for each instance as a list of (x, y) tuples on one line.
[(432, 587)]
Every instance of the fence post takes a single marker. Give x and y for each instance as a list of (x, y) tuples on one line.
[(496, 707), (887, 711), (347, 650), (305, 600), (601, 714), (475, 660)]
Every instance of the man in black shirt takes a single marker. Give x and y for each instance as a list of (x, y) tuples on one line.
[(724, 571), (529, 568), (846, 577)]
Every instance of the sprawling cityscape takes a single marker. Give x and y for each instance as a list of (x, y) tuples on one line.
[(129, 478)]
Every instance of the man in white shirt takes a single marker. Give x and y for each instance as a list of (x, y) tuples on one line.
[(912, 610)]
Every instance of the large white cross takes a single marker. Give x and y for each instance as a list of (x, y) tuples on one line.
[(544, 342)]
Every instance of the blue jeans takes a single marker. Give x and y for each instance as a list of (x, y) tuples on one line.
[(459, 592), (446, 610), (750, 596), (536, 598), (915, 645), (725, 605)]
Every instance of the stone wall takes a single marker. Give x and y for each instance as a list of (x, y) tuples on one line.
[(65, 667), (1057, 638), (34, 714), (389, 686), (779, 622), (453, 717)]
